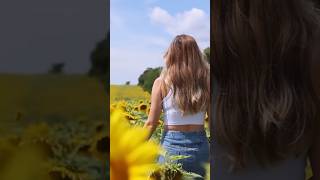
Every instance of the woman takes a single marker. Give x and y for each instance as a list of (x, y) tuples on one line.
[(182, 92), (266, 90)]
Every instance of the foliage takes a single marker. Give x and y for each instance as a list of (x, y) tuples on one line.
[(57, 68), (206, 53), (99, 59), (147, 78), (170, 170), (65, 151)]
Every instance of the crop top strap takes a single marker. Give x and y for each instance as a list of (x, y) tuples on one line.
[(165, 89)]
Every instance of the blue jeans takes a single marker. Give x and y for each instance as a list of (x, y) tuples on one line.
[(193, 144)]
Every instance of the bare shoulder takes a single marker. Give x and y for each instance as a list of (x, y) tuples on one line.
[(157, 82), (156, 88), (159, 87)]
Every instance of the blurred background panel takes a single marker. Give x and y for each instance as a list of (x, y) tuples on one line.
[(54, 57)]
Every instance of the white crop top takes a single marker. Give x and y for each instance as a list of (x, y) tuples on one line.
[(173, 115)]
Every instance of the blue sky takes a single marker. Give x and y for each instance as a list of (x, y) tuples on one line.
[(141, 31)]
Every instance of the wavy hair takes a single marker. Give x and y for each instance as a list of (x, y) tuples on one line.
[(187, 73), (266, 103)]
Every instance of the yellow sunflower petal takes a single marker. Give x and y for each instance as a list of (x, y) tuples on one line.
[(133, 138), (132, 157), (146, 152), (145, 169)]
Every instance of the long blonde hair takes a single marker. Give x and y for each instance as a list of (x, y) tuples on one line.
[(188, 74)]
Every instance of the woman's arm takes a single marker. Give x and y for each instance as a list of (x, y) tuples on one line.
[(156, 107)]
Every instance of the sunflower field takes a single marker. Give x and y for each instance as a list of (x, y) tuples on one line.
[(51, 129), (129, 109)]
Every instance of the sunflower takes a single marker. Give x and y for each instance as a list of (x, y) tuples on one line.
[(143, 107), (122, 105), (129, 117), (112, 108), (132, 157)]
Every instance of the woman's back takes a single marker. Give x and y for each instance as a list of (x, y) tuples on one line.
[(172, 115)]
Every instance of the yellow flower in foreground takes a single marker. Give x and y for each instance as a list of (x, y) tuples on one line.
[(132, 157)]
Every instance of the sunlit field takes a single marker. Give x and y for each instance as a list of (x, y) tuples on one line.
[(53, 127), (127, 92)]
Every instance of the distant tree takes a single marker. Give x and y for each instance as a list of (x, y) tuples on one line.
[(142, 77), (56, 68), (206, 53), (147, 78), (128, 83), (99, 59)]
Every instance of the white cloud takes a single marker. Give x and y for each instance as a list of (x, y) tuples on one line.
[(161, 16), (194, 22)]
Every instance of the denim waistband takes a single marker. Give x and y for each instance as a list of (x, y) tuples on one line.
[(184, 133), (181, 137)]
